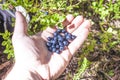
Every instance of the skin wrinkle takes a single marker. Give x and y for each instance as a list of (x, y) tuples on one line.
[(40, 56), (52, 67), (35, 76)]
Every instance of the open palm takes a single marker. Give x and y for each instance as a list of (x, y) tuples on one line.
[(31, 51)]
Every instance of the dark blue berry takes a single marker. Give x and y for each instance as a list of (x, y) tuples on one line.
[(69, 34), (63, 31), (68, 37), (55, 38), (46, 13), (61, 44), (58, 51), (49, 38), (61, 48), (55, 33), (50, 49), (53, 49), (57, 46), (60, 39), (58, 30), (73, 37), (66, 43), (53, 45), (53, 41), (59, 36), (66, 33), (49, 44)]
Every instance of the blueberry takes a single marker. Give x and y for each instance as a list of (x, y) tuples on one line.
[(50, 49), (60, 39), (58, 30), (55, 33), (53, 41), (55, 38), (59, 36), (69, 34), (53, 49), (49, 44), (58, 51), (66, 33), (61, 48), (53, 45), (57, 46), (46, 13), (68, 37), (73, 37), (61, 44), (66, 43), (49, 38), (63, 31)]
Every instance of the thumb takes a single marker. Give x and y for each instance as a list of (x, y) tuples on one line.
[(20, 25)]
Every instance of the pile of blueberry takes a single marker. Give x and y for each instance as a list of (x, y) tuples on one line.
[(60, 40)]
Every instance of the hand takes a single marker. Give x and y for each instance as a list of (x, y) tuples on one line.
[(32, 54)]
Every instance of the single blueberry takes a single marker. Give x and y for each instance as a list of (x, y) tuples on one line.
[(55, 33), (61, 48), (49, 38), (57, 46), (53, 45), (58, 30), (49, 44), (61, 44), (69, 34), (53, 49), (68, 37), (66, 43), (53, 41), (50, 49), (60, 38), (73, 37), (55, 38), (58, 51), (46, 13), (63, 31)]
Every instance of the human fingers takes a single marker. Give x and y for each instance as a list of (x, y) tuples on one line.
[(71, 28), (47, 33), (81, 32), (68, 20), (75, 24)]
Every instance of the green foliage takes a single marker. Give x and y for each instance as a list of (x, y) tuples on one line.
[(7, 43), (107, 10), (111, 73), (84, 65)]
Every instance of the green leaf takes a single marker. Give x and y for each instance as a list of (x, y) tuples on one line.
[(81, 70), (110, 30)]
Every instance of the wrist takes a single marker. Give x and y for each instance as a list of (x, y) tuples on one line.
[(18, 73), (22, 73)]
